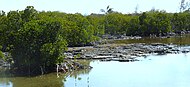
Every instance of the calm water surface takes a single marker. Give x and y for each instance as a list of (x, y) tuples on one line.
[(180, 40), (155, 71), (170, 70)]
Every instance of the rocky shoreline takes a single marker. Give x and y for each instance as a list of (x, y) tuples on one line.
[(112, 52), (124, 52)]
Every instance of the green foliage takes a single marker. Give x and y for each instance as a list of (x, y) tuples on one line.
[(33, 42), (28, 14), (38, 39), (181, 22), (38, 43), (3, 27), (97, 21), (116, 23), (157, 23), (133, 27), (1, 53), (79, 30)]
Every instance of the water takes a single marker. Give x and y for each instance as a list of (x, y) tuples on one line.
[(161, 71), (180, 40), (170, 70), (49, 80)]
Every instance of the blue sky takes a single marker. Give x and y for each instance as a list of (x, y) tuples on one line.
[(91, 6)]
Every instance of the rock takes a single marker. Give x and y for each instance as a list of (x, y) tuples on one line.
[(103, 57), (125, 60), (70, 66), (128, 51), (185, 51), (69, 55), (107, 59), (160, 52), (175, 50), (157, 44)]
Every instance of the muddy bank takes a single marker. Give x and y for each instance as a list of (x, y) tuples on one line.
[(125, 52)]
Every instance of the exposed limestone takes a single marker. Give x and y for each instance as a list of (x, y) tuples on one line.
[(124, 53), (70, 65)]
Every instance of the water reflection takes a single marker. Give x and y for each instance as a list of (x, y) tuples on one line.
[(5, 83), (170, 70), (48, 80), (78, 78), (162, 71)]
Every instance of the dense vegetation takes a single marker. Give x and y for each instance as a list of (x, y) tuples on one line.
[(36, 40)]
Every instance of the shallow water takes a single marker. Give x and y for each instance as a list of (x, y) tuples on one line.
[(180, 40), (155, 71), (170, 70)]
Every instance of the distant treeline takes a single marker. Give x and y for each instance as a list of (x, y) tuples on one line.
[(37, 40), (157, 23)]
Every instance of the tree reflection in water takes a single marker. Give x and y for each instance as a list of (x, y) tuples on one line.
[(47, 80)]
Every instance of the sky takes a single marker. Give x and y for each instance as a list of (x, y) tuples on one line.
[(91, 6)]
